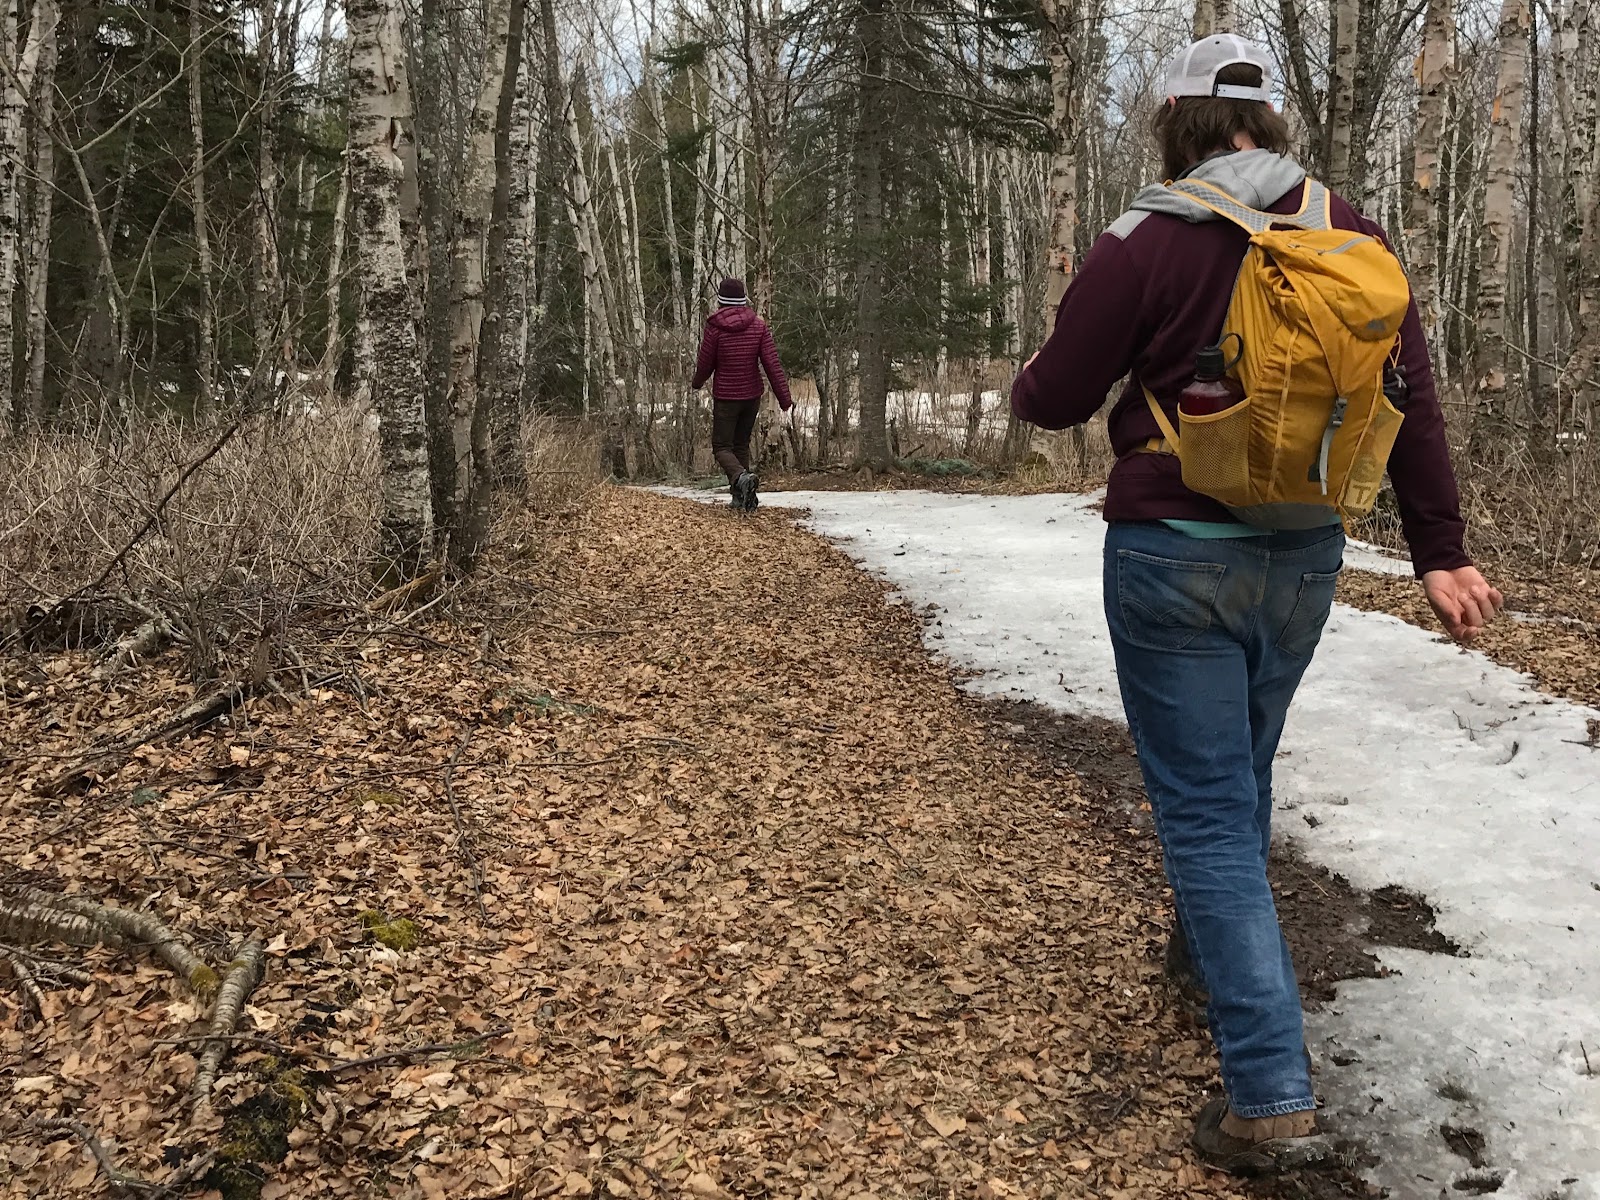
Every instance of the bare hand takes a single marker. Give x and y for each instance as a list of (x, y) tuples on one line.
[(1464, 601)]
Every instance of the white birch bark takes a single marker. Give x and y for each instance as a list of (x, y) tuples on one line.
[(474, 205), (1061, 34), (1434, 67), (13, 103), (1494, 262), (36, 261), (333, 289), (378, 123), (205, 266), (266, 308), (1342, 100)]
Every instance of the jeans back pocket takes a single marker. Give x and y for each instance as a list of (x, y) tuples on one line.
[(1312, 605), (1166, 603)]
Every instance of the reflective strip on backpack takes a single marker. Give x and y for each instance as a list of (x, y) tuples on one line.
[(1313, 212)]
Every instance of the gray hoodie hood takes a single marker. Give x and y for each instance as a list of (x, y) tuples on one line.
[(1257, 178)]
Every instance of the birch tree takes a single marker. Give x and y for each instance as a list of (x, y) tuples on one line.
[(379, 113), (1433, 73), (474, 207), (1494, 263), (12, 158), (41, 210)]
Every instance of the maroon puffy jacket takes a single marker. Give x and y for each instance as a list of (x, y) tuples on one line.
[(735, 341)]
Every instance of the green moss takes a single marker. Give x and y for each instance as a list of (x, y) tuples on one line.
[(400, 933), (204, 981), (255, 1135), (380, 797)]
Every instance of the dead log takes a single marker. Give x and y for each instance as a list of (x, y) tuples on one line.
[(240, 979), (36, 916), (148, 639), (409, 592), (200, 711), (27, 984)]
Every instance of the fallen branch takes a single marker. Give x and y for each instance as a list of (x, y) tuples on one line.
[(144, 641), (40, 916), (463, 839), (415, 1052), (198, 712), (27, 984), (411, 590), (121, 1183), (241, 978)]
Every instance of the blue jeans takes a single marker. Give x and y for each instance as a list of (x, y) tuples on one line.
[(1211, 639)]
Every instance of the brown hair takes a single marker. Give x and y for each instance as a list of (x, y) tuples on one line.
[(1196, 127)]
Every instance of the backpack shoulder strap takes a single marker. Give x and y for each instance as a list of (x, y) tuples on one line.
[(1314, 206), (1168, 430)]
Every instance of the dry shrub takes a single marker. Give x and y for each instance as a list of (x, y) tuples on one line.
[(285, 501), (562, 458), (282, 517), (1540, 513)]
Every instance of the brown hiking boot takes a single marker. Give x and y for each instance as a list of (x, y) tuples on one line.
[(1260, 1145)]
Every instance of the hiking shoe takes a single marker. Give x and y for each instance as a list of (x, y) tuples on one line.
[(1261, 1145), (751, 500), (1185, 979), (737, 490)]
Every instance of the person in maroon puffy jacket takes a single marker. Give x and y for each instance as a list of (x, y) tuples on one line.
[(736, 347)]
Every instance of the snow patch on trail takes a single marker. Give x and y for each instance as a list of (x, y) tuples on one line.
[(1406, 761)]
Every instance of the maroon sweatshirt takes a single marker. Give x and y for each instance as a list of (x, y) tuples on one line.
[(735, 341), (1151, 292)]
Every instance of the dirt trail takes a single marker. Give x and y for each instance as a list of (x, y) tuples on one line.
[(768, 908)]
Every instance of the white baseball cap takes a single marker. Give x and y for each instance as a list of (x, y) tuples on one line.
[(1194, 73)]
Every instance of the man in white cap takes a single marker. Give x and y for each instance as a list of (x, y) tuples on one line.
[(1214, 622)]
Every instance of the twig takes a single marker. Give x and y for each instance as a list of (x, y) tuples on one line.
[(1588, 1068), (375, 1060), (463, 840), (160, 507), (180, 1179), (123, 1184), (32, 997)]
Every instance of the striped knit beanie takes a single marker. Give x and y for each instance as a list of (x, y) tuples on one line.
[(731, 294)]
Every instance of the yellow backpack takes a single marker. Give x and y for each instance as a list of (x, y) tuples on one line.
[(1317, 312)]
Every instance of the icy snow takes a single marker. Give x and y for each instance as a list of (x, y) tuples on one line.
[(1406, 761)]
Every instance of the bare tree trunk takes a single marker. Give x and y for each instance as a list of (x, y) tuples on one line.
[(1212, 16), (1342, 101), (980, 281), (1540, 431), (36, 263), (333, 290), (206, 318), (512, 250), (267, 297), (1577, 78), (378, 120), (1433, 74), (13, 102), (869, 237), (658, 118), (1494, 263), (475, 202), (761, 71), (1061, 35)]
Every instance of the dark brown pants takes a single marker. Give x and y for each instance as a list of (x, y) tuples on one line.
[(732, 423)]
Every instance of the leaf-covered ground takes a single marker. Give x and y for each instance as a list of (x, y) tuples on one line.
[(767, 908)]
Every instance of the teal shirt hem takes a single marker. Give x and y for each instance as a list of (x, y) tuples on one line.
[(1205, 530)]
